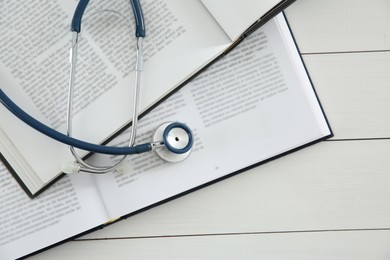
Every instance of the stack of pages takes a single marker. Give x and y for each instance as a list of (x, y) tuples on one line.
[(254, 104)]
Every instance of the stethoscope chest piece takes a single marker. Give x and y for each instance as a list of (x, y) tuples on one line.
[(177, 139)]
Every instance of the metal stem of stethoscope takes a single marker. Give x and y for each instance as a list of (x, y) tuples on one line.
[(84, 166)]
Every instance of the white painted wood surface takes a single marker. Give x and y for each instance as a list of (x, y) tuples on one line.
[(328, 201)]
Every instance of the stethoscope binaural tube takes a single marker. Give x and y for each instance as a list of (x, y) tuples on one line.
[(137, 10), (140, 34)]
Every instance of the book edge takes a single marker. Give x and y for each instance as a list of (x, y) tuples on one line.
[(103, 225)]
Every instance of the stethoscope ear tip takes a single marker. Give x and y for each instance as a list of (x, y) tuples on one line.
[(70, 167), (178, 141), (124, 167)]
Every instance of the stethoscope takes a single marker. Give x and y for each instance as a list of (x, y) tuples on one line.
[(172, 141)]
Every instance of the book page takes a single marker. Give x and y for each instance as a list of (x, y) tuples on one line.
[(236, 16), (248, 107), (34, 52), (69, 207)]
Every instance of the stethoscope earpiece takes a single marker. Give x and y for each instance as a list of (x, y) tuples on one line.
[(177, 141)]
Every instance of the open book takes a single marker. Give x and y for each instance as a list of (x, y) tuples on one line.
[(251, 106), (183, 37)]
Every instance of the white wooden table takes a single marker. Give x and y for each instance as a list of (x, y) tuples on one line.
[(328, 201)]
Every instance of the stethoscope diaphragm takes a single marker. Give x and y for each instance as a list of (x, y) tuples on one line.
[(177, 139)]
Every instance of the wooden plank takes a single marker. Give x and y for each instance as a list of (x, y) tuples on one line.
[(354, 90), (299, 246), (332, 185), (339, 26)]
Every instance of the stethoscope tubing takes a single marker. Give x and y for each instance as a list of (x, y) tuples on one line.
[(71, 141), (140, 30)]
